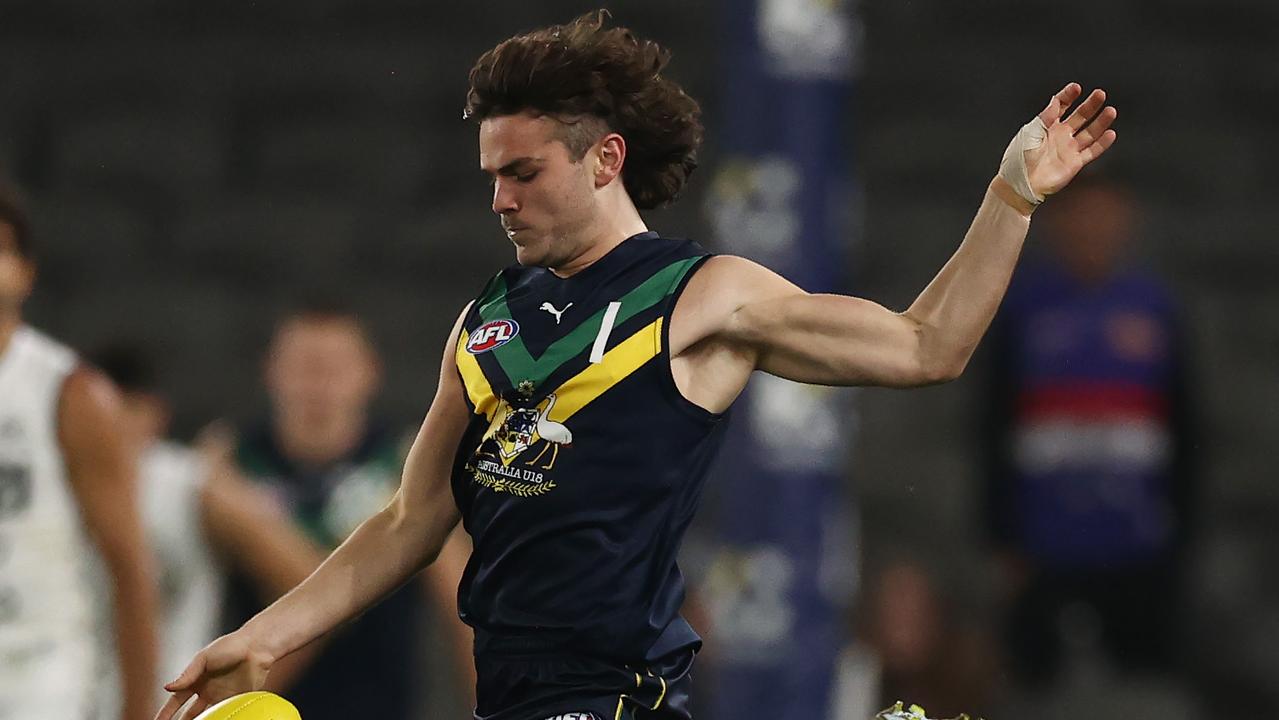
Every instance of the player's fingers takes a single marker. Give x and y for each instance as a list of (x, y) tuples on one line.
[(189, 675), (1058, 104), (1087, 110), (1094, 151), (1097, 127), (174, 704), (196, 708)]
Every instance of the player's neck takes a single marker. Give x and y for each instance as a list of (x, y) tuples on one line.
[(306, 442), (616, 224), (9, 322)]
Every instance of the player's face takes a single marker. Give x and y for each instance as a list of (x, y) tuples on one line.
[(545, 199), (17, 273), (319, 369)]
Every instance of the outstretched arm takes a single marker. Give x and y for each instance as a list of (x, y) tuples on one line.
[(383, 553), (839, 340)]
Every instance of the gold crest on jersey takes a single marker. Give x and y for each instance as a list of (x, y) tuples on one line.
[(519, 447)]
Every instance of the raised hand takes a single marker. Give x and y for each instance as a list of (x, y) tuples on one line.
[(228, 666), (1071, 142), (1047, 153)]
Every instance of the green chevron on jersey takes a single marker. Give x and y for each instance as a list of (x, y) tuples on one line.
[(517, 362)]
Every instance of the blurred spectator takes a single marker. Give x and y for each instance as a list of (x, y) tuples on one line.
[(196, 512), (927, 655), (331, 465), (1090, 472), (65, 472)]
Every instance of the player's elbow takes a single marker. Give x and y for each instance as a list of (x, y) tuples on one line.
[(937, 371), (947, 371), (418, 529), (936, 363), (915, 372), (397, 520)]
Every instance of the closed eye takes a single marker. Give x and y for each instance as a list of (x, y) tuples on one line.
[(524, 178)]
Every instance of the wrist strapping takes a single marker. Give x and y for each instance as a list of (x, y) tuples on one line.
[(1012, 168)]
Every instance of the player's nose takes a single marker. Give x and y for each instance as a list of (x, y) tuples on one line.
[(504, 197)]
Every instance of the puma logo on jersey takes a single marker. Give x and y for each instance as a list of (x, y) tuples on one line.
[(557, 313)]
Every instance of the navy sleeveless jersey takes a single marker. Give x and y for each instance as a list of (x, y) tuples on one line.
[(582, 464)]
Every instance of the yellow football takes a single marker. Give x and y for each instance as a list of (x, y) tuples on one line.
[(258, 705)]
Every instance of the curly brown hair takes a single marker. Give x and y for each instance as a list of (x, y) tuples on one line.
[(595, 80)]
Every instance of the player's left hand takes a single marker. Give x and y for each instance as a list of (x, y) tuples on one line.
[(1050, 150), (1071, 142)]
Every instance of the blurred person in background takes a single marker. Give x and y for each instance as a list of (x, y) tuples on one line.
[(66, 471), (330, 465), (199, 516), (927, 654), (1090, 443)]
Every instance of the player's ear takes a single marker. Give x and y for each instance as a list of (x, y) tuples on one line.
[(610, 155)]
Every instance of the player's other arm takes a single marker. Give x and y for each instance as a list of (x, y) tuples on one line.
[(838, 340), (103, 478), (383, 553)]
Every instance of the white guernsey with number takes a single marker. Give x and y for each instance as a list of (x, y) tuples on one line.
[(47, 657)]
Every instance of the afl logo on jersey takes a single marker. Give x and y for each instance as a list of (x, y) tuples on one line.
[(492, 334)]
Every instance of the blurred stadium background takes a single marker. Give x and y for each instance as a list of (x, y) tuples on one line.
[(194, 167)]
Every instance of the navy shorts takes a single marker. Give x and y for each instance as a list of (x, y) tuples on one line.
[(558, 687)]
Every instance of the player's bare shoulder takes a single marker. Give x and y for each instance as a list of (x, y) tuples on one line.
[(722, 287), (88, 406), (711, 356)]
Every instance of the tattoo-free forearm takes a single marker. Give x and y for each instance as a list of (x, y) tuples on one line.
[(953, 312), (383, 553)]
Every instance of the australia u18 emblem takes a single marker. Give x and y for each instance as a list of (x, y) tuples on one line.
[(492, 334), (520, 448)]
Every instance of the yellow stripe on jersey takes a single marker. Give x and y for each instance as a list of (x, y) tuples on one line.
[(477, 386), (625, 358), (578, 391)]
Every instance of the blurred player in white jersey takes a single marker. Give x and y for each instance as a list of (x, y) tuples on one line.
[(200, 516), (66, 478)]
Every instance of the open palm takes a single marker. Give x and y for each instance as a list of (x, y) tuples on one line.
[(1071, 142)]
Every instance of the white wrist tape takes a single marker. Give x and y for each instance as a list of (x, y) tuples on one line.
[(1013, 167)]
